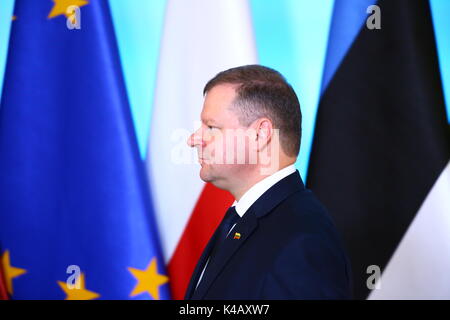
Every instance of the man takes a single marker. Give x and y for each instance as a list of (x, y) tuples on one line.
[(276, 241)]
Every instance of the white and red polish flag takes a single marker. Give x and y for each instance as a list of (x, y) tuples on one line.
[(200, 39)]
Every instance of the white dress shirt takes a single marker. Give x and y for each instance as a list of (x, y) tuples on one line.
[(259, 188), (252, 195)]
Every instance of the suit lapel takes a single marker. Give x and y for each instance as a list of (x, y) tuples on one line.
[(200, 265), (245, 227)]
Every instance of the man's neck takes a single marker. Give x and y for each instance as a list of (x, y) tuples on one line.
[(254, 178)]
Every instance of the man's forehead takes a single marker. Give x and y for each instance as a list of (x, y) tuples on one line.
[(211, 116), (217, 101)]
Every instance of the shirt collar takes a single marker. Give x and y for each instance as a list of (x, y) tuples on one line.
[(259, 188)]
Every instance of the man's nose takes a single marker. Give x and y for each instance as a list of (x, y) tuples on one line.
[(195, 139)]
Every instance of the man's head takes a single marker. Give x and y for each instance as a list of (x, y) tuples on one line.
[(258, 101)]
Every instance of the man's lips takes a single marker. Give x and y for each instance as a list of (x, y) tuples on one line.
[(205, 161)]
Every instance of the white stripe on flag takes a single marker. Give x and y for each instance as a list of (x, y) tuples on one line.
[(200, 39), (420, 267)]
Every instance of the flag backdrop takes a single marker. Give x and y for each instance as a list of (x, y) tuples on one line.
[(3, 292), (169, 49), (382, 142), (74, 197), (190, 218)]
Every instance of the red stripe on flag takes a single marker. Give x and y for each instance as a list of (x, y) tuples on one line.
[(208, 212), (3, 292)]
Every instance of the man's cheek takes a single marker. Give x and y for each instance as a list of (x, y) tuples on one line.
[(236, 148), (229, 149), (219, 150)]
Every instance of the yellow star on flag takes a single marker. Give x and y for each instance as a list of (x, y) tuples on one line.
[(60, 7), (10, 272), (78, 294), (148, 280)]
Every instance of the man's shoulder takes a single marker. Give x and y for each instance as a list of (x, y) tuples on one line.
[(303, 211), (288, 210), (300, 218)]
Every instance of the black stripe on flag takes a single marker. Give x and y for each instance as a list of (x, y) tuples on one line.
[(382, 136)]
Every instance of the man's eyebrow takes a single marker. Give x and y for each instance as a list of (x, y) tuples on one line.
[(208, 120)]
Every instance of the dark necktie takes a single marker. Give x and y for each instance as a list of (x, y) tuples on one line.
[(231, 217)]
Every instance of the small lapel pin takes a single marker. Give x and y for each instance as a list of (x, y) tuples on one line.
[(237, 236)]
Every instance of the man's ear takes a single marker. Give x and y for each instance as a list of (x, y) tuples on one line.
[(264, 131)]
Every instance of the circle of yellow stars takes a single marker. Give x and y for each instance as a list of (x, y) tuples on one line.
[(79, 291), (10, 272), (60, 7), (148, 280)]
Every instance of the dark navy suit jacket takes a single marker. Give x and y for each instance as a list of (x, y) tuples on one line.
[(288, 249)]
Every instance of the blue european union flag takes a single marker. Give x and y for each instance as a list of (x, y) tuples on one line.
[(75, 215)]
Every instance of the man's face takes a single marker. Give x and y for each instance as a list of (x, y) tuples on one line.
[(219, 152)]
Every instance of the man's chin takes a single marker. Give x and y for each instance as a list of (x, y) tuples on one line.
[(207, 176), (204, 174)]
